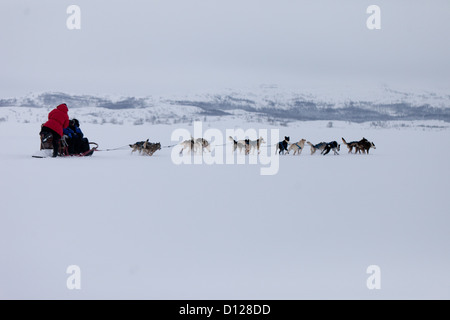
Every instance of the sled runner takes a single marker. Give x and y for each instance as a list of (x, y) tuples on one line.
[(46, 148)]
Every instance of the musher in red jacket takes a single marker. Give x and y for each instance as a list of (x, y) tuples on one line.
[(58, 119)]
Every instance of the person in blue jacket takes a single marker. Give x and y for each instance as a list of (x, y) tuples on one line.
[(70, 138), (79, 142)]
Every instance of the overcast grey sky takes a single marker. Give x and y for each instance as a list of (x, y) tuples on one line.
[(152, 46)]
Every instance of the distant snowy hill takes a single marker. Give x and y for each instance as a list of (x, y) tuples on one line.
[(266, 104)]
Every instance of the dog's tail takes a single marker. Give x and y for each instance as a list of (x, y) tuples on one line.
[(230, 138), (313, 149), (345, 142)]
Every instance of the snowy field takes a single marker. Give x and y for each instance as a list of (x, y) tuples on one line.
[(142, 227)]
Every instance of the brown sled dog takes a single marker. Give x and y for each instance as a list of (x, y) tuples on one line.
[(145, 147), (364, 146), (351, 145), (297, 147), (361, 146)]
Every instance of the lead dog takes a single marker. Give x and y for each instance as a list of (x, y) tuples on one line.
[(364, 146), (297, 147)]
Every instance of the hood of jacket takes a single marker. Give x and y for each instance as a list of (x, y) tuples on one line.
[(63, 107)]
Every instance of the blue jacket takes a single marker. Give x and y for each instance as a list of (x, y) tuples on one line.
[(78, 132), (69, 132)]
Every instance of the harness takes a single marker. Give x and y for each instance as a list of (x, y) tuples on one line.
[(298, 146)]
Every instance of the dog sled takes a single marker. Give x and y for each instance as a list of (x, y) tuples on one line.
[(87, 148)]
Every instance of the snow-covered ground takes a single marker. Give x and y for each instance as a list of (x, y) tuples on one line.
[(144, 228)]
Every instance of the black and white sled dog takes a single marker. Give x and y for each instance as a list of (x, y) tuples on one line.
[(333, 145), (237, 144), (282, 146), (252, 145)]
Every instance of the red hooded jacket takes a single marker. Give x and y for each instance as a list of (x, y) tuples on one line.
[(58, 119)]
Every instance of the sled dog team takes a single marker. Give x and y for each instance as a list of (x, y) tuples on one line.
[(59, 125), (250, 146)]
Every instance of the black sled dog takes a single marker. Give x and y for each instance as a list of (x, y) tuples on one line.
[(282, 146)]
